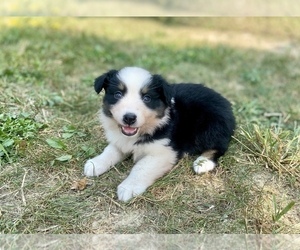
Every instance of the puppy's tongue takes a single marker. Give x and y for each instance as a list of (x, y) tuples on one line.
[(129, 131)]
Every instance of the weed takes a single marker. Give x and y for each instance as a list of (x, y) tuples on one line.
[(279, 213), (16, 131)]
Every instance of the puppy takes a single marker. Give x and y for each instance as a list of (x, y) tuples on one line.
[(158, 123)]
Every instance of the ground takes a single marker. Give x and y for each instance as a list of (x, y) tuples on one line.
[(49, 124)]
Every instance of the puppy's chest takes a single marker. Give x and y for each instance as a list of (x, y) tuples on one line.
[(152, 149), (137, 148), (138, 151)]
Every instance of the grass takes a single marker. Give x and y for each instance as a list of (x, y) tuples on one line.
[(49, 125)]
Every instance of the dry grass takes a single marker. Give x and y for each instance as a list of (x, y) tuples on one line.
[(278, 149)]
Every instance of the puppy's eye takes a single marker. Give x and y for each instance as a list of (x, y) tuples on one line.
[(118, 95), (146, 98)]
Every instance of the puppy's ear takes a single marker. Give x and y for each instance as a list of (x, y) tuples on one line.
[(103, 80), (166, 89)]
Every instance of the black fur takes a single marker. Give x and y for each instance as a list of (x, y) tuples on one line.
[(201, 120), (164, 89), (103, 80)]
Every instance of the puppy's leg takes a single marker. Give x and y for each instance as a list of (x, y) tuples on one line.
[(143, 174), (205, 162), (103, 162)]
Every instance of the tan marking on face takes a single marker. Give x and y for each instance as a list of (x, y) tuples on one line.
[(153, 121), (121, 86), (145, 89)]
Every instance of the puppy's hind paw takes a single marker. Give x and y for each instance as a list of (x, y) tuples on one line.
[(203, 165)]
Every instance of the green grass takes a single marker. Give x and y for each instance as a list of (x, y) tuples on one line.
[(49, 125)]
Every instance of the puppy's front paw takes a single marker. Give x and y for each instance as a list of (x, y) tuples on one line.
[(90, 168), (127, 190), (94, 167)]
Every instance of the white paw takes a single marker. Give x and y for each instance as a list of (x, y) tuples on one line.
[(127, 190), (203, 165), (95, 167), (90, 168)]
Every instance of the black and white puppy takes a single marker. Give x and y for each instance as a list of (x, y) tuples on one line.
[(158, 123)]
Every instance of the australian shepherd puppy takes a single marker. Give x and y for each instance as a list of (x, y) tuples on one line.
[(158, 123)]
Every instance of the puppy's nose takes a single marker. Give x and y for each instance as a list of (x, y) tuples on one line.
[(129, 118)]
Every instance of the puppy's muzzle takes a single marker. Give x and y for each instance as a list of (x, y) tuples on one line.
[(129, 119)]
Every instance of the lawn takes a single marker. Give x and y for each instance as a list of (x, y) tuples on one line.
[(49, 125)]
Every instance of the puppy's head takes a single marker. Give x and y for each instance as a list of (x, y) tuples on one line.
[(137, 101)]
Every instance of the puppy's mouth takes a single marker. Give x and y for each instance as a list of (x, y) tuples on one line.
[(129, 131)]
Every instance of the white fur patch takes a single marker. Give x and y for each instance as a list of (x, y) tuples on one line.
[(203, 165), (153, 161), (134, 77), (172, 101)]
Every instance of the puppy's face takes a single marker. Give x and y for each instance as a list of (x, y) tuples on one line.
[(136, 100)]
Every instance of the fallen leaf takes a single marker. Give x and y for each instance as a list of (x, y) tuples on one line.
[(79, 185), (64, 158), (55, 143)]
